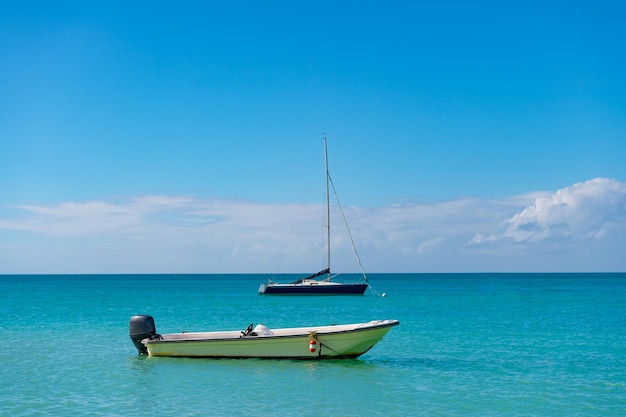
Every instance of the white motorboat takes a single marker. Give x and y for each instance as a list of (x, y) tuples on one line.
[(313, 342)]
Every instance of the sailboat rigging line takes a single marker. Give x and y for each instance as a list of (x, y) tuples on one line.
[(356, 253)]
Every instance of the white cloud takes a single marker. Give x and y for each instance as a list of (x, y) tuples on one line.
[(429, 245), (580, 227), (586, 210)]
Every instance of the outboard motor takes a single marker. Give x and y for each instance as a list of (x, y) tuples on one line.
[(141, 327)]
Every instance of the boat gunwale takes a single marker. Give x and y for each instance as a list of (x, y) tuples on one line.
[(376, 326)]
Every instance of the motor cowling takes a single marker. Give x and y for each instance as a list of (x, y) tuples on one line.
[(141, 327)]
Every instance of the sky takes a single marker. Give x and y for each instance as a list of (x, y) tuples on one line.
[(162, 137)]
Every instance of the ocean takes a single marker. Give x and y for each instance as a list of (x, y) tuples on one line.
[(467, 345)]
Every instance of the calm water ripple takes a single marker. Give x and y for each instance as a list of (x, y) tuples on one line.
[(468, 344)]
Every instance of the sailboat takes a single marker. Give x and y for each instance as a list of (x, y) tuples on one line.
[(320, 283)]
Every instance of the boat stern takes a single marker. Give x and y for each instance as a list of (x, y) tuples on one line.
[(141, 327)]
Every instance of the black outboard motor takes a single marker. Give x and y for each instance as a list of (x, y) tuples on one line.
[(141, 327)]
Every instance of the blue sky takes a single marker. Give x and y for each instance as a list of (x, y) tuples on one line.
[(162, 137)]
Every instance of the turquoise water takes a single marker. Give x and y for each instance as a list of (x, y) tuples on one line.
[(468, 344)]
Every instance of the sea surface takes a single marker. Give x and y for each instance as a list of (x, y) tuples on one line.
[(467, 345)]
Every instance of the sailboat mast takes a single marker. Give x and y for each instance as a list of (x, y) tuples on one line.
[(327, 210)]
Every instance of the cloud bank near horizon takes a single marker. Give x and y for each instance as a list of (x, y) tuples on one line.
[(577, 228)]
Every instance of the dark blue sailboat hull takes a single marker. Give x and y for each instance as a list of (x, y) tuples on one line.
[(341, 289)]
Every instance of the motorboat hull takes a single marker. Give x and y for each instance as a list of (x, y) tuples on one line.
[(335, 341)]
